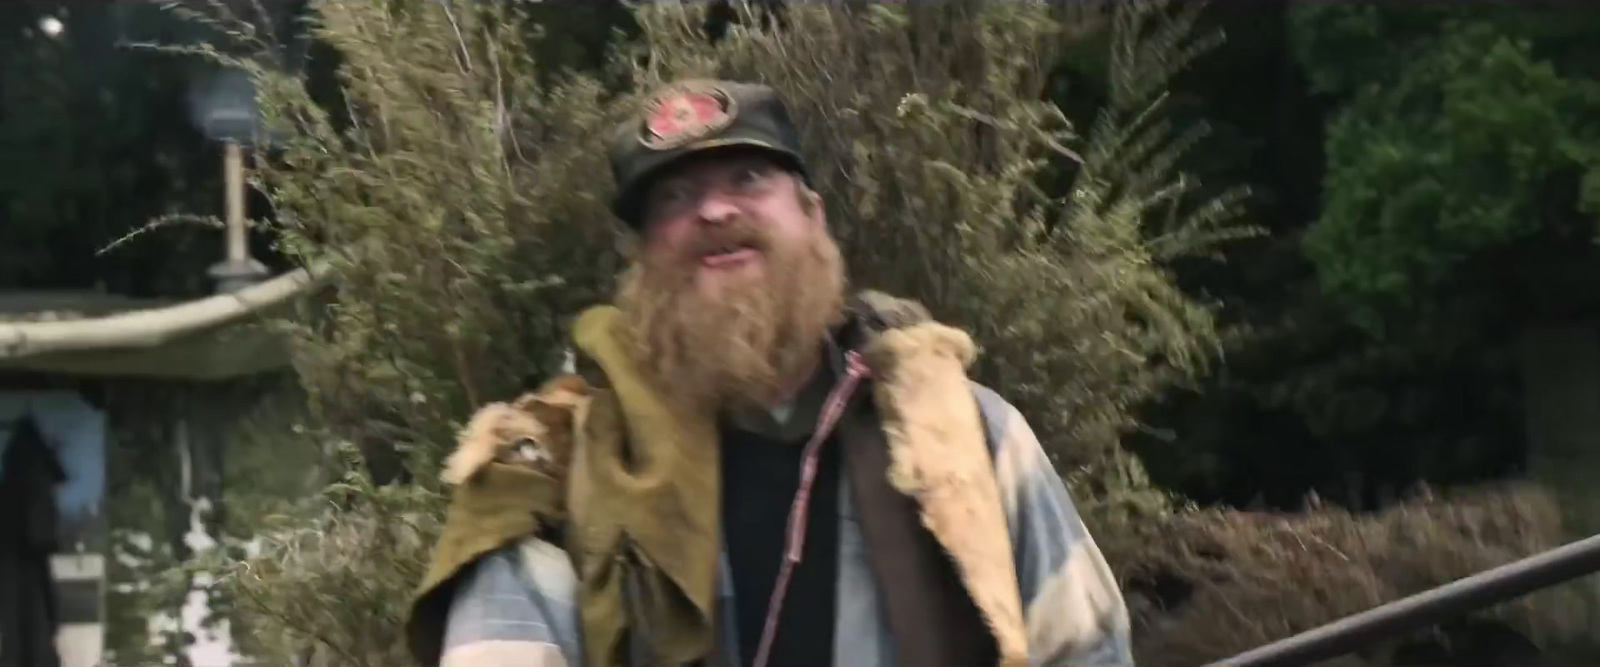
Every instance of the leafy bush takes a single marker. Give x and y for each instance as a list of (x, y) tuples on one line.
[(331, 585), (459, 201), (930, 131)]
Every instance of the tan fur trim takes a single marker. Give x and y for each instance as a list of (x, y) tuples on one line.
[(891, 312), (535, 430), (938, 456)]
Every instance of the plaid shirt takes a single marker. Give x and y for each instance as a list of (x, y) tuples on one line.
[(516, 606)]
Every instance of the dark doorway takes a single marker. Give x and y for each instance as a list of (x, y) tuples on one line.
[(29, 523)]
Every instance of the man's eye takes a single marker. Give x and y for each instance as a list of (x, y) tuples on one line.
[(749, 177), (673, 193)]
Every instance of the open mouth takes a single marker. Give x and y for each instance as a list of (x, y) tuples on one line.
[(728, 256)]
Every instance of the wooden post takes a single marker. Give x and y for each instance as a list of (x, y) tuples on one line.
[(233, 170), (238, 269)]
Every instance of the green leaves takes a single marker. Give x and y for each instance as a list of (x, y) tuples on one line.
[(1444, 156)]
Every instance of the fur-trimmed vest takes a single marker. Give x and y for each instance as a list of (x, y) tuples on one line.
[(597, 463)]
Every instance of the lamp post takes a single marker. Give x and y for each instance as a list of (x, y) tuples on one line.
[(225, 108)]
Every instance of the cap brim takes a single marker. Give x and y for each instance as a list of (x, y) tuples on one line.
[(627, 204)]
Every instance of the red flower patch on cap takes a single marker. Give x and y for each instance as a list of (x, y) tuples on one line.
[(684, 113)]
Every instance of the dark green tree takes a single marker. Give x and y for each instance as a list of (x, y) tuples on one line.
[(1458, 218), (1439, 221)]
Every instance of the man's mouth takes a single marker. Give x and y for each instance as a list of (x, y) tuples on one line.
[(728, 256)]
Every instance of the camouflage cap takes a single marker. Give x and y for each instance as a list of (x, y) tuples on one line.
[(689, 117)]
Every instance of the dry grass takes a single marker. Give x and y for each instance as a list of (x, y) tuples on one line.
[(1208, 584)]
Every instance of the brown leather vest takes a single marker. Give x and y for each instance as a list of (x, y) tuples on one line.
[(931, 618)]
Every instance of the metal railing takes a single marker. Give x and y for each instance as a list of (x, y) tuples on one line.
[(1349, 634)]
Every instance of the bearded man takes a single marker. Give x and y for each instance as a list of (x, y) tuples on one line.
[(750, 467)]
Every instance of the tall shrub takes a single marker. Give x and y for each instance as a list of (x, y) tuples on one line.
[(456, 193), (931, 130)]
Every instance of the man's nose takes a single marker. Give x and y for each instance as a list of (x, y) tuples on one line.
[(717, 210)]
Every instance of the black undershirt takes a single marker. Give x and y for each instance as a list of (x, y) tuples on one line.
[(760, 476)]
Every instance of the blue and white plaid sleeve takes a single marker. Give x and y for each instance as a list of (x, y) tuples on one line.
[(1074, 612), (515, 609)]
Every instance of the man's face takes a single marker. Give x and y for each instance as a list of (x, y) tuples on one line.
[(737, 281), (726, 216)]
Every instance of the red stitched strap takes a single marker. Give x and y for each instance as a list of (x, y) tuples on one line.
[(794, 542)]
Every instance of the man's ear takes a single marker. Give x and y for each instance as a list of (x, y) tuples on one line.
[(814, 206), (630, 244)]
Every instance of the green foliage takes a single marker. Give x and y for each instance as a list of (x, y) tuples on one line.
[(1434, 161), (453, 209), (1320, 402), (453, 204), (137, 562), (458, 199), (335, 574)]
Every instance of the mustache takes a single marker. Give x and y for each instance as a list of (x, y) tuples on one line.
[(741, 232)]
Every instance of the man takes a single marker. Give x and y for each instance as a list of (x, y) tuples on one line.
[(750, 468)]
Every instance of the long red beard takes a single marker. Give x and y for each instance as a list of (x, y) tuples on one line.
[(745, 344)]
